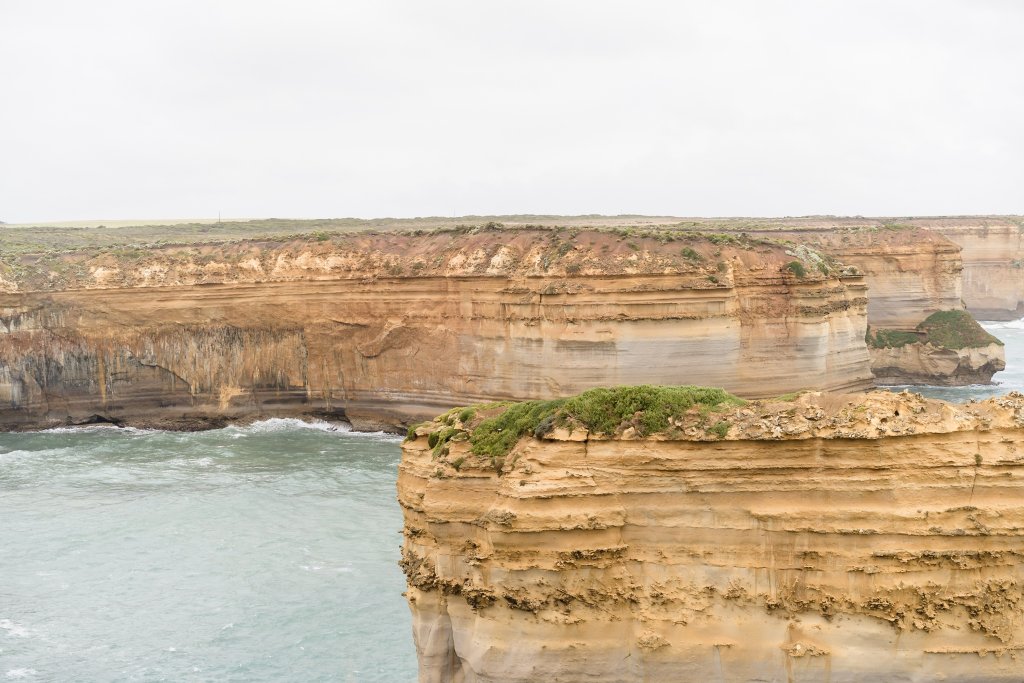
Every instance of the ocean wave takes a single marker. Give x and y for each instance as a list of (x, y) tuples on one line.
[(284, 424), (85, 429), (20, 673), (1003, 325)]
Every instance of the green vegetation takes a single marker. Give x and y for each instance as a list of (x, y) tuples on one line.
[(602, 411), (466, 414), (890, 339), (945, 329), (796, 268), (691, 255), (720, 429), (496, 436), (955, 330), (791, 396)]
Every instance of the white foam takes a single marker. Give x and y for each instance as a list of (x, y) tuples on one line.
[(14, 629), (1008, 325), (281, 424), (85, 429), (20, 673)]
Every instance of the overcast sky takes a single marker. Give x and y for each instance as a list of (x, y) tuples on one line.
[(304, 108)]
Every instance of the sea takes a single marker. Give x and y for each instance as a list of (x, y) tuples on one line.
[(260, 553)]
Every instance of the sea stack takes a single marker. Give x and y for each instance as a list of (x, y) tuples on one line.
[(638, 535)]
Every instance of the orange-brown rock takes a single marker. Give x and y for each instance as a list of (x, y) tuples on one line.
[(851, 538), (388, 328)]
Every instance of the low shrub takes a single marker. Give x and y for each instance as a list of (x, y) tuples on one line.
[(602, 411), (796, 268)]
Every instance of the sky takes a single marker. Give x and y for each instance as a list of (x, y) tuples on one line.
[(123, 109)]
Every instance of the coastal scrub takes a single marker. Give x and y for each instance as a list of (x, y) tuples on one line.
[(646, 408)]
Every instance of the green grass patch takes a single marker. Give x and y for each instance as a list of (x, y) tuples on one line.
[(791, 396), (890, 339), (945, 329), (602, 411), (955, 330), (720, 429)]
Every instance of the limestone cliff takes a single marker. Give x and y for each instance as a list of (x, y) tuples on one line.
[(992, 249), (388, 328), (828, 538), (912, 274)]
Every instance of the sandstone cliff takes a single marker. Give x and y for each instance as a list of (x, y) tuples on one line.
[(993, 256), (387, 328), (912, 274), (828, 538)]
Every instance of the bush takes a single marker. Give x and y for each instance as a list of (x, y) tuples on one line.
[(689, 253), (497, 435), (796, 268)]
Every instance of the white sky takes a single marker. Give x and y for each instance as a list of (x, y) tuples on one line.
[(306, 108)]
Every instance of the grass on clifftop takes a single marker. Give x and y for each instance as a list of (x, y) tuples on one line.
[(946, 329), (956, 330), (602, 411)]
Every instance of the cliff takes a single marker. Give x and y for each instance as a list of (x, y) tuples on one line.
[(659, 535), (912, 274), (388, 328), (992, 249)]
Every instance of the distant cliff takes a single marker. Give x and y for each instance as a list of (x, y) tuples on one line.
[(389, 328), (646, 534), (993, 256), (914, 275)]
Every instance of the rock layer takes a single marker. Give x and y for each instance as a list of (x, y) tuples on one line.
[(993, 256), (911, 273), (834, 538), (385, 329), (927, 364)]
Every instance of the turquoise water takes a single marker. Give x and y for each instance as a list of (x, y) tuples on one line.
[(265, 553), (1011, 379)]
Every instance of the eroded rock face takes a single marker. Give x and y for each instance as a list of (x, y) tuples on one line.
[(849, 538), (993, 256), (385, 329), (928, 364), (911, 273)]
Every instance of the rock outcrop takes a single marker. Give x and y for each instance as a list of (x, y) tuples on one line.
[(388, 328), (827, 538)]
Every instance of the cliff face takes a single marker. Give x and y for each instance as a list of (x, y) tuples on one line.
[(911, 273), (389, 328), (834, 538), (993, 256), (928, 364)]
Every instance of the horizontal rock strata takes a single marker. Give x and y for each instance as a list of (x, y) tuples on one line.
[(911, 273), (385, 329), (851, 538), (992, 250)]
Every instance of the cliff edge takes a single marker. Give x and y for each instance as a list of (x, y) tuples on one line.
[(644, 533), (388, 328)]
